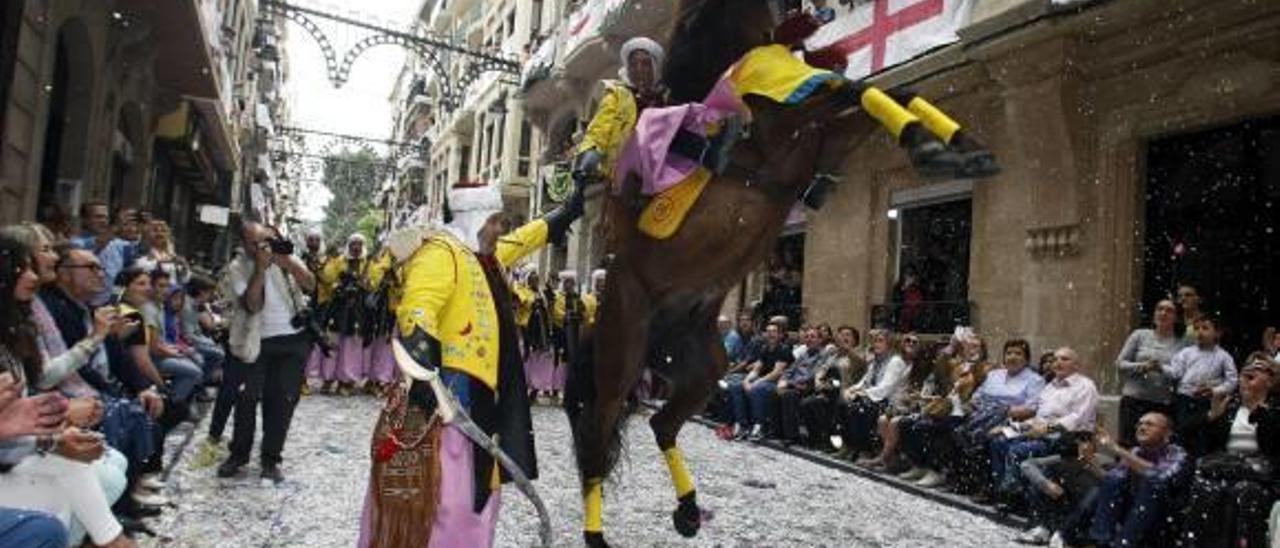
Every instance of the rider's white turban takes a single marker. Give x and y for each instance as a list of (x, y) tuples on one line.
[(471, 207), (647, 45)]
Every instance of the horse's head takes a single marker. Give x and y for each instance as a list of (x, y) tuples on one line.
[(707, 37)]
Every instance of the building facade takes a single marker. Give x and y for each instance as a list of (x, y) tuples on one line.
[(137, 103)]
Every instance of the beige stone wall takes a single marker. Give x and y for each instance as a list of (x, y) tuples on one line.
[(1068, 104)]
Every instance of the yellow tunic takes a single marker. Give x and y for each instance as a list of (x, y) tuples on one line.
[(327, 278), (524, 303), (447, 296), (611, 125), (591, 304)]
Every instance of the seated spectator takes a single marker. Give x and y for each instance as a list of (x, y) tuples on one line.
[(740, 363), (1141, 363), (197, 322), (1062, 494), (842, 368), (864, 402), (907, 404), (1135, 496), (759, 385), (1067, 406), (53, 473), (20, 419), (171, 360), (1009, 394), (1235, 483), (926, 434), (1201, 371), (797, 383)]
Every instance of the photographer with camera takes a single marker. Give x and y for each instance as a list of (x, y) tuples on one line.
[(269, 341)]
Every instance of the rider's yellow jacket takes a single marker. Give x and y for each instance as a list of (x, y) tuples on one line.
[(612, 124), (445, 293)]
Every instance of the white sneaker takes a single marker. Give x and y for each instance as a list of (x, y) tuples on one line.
[(149, 499), (1038, 536), (931, 479), (1056, 541), (913, 474)]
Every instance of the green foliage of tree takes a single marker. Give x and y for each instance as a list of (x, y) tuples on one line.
[(354, 177)]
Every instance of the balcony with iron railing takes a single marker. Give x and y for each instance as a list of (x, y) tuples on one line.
[(925, 317)]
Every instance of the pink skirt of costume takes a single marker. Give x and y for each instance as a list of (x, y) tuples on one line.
[(455, 523), (540, 371), (351, 354), (322, 367), (380, 363)]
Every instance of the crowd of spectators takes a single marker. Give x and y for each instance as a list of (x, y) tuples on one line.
[(108, 341), (1190, 463)]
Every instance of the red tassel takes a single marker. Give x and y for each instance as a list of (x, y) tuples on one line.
[(387, 449), (796, 29)]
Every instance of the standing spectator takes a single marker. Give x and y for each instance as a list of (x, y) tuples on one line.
[(759, 384), (1141, 363), (1201, 371), (95, 224), (1235, 483), (1192, 306), (266, 346), (1067, 406), (865, 401), (1135, 496)]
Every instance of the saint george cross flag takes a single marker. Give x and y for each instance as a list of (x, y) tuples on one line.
[(877, 34)]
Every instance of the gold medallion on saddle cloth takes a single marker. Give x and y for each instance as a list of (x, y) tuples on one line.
[(666, 211)]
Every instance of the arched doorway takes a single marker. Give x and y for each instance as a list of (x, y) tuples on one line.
[(62, 169)]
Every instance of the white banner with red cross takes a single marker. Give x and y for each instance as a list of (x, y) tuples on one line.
[(878, 34)]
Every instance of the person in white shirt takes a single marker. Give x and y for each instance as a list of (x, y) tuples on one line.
[(865, 401), (1067, 406), (268, 345)]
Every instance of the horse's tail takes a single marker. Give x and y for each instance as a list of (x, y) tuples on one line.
[(579, 405)]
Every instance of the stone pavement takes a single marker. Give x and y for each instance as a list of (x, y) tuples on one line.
[(758, 497)]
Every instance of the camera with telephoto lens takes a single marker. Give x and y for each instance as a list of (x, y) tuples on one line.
[(281, 246)]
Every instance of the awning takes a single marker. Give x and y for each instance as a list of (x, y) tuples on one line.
[(225, 152)]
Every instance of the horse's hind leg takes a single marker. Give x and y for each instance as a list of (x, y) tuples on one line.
[(977, 159), (700, 362), (621, 339)]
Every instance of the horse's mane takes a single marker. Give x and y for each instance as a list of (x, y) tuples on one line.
[(707, 36)]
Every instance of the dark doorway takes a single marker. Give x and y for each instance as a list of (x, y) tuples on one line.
[(783, 282), (1211, 222), (62, 169)]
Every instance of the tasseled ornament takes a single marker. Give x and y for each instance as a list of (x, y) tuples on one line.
[(797, 28)]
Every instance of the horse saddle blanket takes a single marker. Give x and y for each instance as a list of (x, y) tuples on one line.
[(666, 211)]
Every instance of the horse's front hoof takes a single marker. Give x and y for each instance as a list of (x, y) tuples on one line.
[(978, 164), (594, 539), (687, 517)]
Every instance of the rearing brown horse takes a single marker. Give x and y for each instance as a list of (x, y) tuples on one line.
[(663, 298)]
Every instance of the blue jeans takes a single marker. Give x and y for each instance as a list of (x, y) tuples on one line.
[(1007, 455), (1134, 504), (750, 408), (31, 529), (211, 353), (763, 394), (183, 374)]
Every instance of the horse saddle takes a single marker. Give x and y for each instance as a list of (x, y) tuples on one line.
[(666, 212)]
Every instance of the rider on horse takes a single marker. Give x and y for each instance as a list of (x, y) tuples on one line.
[(637, 90)]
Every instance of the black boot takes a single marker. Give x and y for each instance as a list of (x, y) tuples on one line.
[(712, 152), (816, 194), (930, 157), (559, 219)]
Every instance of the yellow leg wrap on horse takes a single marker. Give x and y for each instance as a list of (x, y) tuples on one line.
[(887, 111), (936, 121), (679, 474), (592, 506)]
